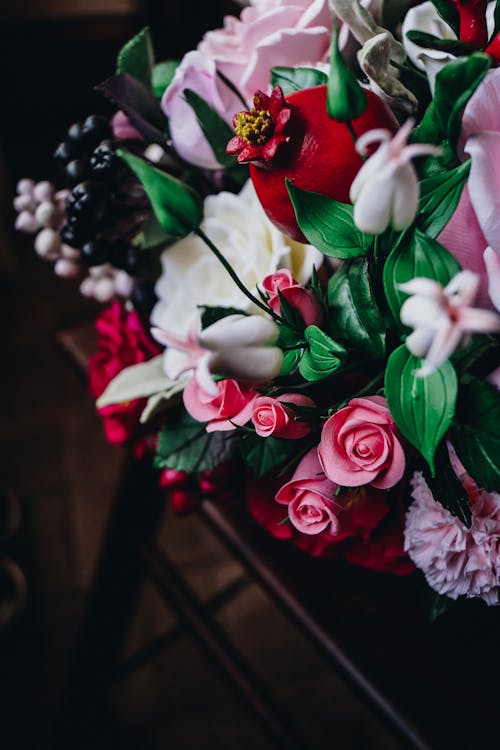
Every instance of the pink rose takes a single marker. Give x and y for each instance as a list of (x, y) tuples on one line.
[(231, 405), (359, 445), (299, 298), (310, 498), (282, 32), (272, 416)]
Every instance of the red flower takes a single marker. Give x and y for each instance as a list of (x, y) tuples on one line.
[(121, 341)]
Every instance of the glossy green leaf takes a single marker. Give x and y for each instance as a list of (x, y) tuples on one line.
[(449, 13), (422, 407), (210, 315), (216, 130), (346, 100), (354, 312), (322, 357), (265, 455), (185, 445), (417, 255), (296, 79), (455, 84), (439, 197), (137, 58), (162, 76), (292, 349), (177, 207), (328, 224), (429, 41), (446, 487), (476, 432)]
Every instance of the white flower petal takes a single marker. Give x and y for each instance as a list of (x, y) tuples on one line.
[(260, 363), (372, 209), (419, 341), (406, 195), (421, 312), (239, 331)]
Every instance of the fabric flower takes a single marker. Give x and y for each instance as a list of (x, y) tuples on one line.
[(289, 33), (262, 131), (424, 17), (441, 317), (234, 346), (282, 283), (475, 225), (121, 341), (386, 190), (230, 406), (456, 561), (276, 416), (192, 277), (359, 445)]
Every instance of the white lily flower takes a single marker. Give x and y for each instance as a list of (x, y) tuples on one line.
[(424, 17), (442, 316), (237, 346), (386, 190)]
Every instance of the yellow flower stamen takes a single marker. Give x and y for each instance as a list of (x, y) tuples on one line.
[(255, 126)]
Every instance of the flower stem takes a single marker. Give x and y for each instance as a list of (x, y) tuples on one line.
[(201, 234), (351, 130)]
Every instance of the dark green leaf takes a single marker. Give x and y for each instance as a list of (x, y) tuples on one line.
[(162, 76), (429, 41), (265, 455), (211, 315), (447, 489), (346, 100), (296, 79), (455, 84), (153, 233), (216, 130), (476, 432), (328, 224), (448, 12), (185, 445), (422, 407), (292, 348), (481, 350), (177, 207), (137, 58), (439, 197), (418, 255), (323, 356), (354, 312)]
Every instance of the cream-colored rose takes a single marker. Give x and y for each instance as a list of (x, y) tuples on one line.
[(192, 275)]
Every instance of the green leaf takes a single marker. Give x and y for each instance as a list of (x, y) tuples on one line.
[(216, 130), (328, 224), (355, 316), (152, 234), (185, 445), (447, 489), (162, 76), (346, 100), (429, 41), (296, 79), (422, 407), (455, 84), (292, 347), (448, 12), (323, 356), (177, 207), (476, 432), (419, 255), (137, 58), (439, 197), (265, 455), (211, 315)]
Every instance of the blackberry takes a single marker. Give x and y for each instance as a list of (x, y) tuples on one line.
[(96, 129), (104, 163), (96, 252), (66, 151), (75, 235), (75, 132), (87, 199), (77, 170)]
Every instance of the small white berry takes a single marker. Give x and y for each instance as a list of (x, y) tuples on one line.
[(71, 253), (26, 222), (154, 153), (43, 191), (48, 243), (87, 287), (123, 283), (24, 202), (45, 214), (104, 290), (25, 186)]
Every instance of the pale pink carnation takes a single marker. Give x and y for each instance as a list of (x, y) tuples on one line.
[(456, 561)]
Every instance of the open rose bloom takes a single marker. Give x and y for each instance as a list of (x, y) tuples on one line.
[(297, 227)]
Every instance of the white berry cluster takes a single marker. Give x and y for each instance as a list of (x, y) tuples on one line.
[(105, 282)]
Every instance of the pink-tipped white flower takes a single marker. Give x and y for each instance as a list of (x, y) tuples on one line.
[(386, 190), (442, 316), (237, 346)]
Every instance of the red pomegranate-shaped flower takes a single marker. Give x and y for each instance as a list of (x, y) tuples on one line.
[(294, 137)]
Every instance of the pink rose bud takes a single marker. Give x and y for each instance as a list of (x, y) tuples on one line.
[(359, 445), (273, 416), (48, 243), (304, 301), (66, 268), (43, 191), (25, 186), (26, 222)]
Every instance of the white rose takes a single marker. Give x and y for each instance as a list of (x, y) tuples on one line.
[(192, 275)]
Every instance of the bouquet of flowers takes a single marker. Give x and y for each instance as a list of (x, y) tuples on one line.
[(297, 227)]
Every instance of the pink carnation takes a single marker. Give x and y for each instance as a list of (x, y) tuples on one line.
[(456, 561)]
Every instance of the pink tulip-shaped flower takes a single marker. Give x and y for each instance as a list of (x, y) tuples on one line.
[(441, 316), (386, 190)]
